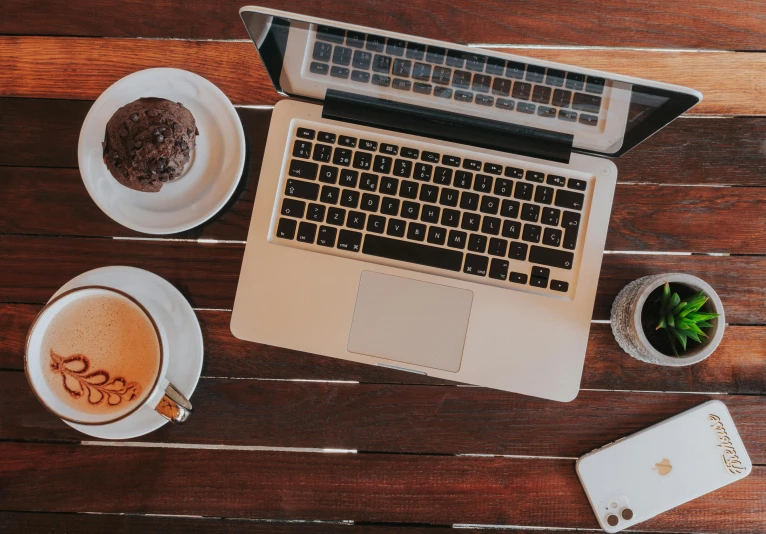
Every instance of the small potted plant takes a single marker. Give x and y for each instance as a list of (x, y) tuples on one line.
[(668, 319)]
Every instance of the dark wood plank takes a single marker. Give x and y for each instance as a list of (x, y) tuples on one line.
[(396, 418), (207, 273), (82, 68), (674, 24), (689, 151), (360, 487)]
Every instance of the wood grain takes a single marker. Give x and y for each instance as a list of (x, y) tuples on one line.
[(207, 273), (81, 68), (397, 418), (737, 366), (673, 24), (360, 487)]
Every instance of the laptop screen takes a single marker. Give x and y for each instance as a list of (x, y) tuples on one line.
[(605, 114)]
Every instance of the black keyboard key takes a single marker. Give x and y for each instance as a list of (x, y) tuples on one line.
[(341, 55), (356, 220), (457, 239), (533, 176), (450, 217), (493, 168), (329, 194), (523, 191), (429, 193), (390, 206), (391, 150), (305, 133), (396, 227), (556, 180), (569, 199), (530, 212), (362, 160), (443, 92), (376, 224), (474, 62), (497, 247), (545, 111), (316, 212), (326, 236), (483, 183), (541, 94), (469, 201), (477, 243), (476, 265), (463, 96), (455, 58), (489, 205), (551, 257), (561, 98), (336, 216), (326, 137), (435, 54), (536, 281), (535, 73), (382, 164), (514, 172), (555, 77), (518, 251), (302, 149), (341, 156), (503, 187), (498, 269), (430, 214), (286, 228), (501, 86), (355, 39), (402, 168), (587, 103), (389, 186), (410, 210), (495, 66), (442, 76), (558, 285), (410, 153), (518, 278), (490, 225), (543, 195), (370, 202), (524, 107), (551, 216), (348, 178), (369, 182), (381, 64), (552, 237), (571, 223), (302, 189), (408, 189), (522, 90), (575, 81), (328, 33), (349, 198), (580, 185), (382, 81), (395, 47), (303, 169), (511, 229), (448, 197), (443, 176), (360, 76), (436, 235), (347, 141), (348, 240), (510, 209), (365, 144), (413, 252), (470, 221), (361, 60), (322, 51), (531, 233), (328, 174), (541, 272), (588, 120), (423, 172), (376, 43), (306, 232), (568, 116), (416, 231), (293, 208), (515, 70), (463, 179), (452, 161), (416, 51), (480, 83), (484, 100), (595, 84), (461, 79), (422, 72), (402, 67)]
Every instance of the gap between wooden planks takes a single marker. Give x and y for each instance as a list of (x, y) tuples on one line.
[(82, 68)]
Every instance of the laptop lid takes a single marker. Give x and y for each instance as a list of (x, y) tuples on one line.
[(495, 95)]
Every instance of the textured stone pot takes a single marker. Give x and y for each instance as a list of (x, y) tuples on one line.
[(629, 333)]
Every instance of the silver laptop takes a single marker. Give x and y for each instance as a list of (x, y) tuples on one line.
[(435, 208)]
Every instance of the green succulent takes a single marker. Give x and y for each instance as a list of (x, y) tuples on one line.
[(682, 319)]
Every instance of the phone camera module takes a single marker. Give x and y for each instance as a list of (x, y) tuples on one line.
[(627, 514), (612, 520)]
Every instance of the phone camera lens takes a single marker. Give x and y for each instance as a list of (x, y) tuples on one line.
[(627, 514), (612, 520)]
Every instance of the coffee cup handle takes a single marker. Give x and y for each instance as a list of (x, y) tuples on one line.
[(174, 406)]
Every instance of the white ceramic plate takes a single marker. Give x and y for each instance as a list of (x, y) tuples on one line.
[(184, 337), (210, 177)]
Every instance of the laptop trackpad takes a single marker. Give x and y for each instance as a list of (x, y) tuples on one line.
[(410, 321)]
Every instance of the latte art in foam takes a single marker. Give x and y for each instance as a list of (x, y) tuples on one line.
[(95, 386)]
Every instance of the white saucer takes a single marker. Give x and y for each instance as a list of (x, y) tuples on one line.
[(209, 179), (184, 337)]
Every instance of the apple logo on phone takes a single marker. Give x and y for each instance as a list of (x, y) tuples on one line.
[(663, 467)]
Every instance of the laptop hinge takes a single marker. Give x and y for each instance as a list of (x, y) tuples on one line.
[(447, 126)]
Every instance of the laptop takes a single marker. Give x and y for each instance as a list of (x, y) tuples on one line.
[(435, 208)]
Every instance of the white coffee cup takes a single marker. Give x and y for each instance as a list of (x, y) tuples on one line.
[(162, 397)]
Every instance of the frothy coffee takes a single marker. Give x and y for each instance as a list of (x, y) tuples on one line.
[(100, 354)]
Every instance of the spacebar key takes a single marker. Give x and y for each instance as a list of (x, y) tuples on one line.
[(551, 257), (395, 249)]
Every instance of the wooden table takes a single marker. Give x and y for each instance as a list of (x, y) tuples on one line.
[(406, 453)]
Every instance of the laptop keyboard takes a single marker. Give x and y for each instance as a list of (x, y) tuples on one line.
[(466, 77), (382, 198)]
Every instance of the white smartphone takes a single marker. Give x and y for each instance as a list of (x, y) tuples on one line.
[(663, 466)]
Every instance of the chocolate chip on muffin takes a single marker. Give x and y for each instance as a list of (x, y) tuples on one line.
[(148, 143)]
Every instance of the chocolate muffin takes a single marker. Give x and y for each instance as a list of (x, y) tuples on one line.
[(148, 143)]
